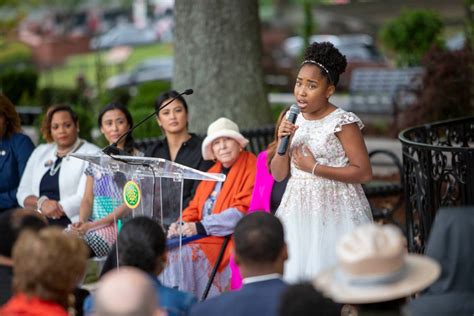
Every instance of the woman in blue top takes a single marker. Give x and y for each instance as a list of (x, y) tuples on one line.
[(15, 149)]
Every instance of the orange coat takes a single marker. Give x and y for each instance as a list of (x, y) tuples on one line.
[(236, 192)]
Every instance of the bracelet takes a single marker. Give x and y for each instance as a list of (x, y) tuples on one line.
[(314, 168), (39, 203)]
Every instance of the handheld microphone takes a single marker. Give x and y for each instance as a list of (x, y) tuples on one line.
[(291, 116), (112, 149)]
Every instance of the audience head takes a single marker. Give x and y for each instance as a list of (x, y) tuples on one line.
[(142, 244), (173, 119), (13, 222), (303, 299), (115, 120), (223, 142), (260, 243), (126, 292), (48, 264), (60, 125), (9, 118), (374, 267)]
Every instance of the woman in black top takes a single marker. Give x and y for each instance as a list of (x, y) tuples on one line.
[(178, 145)]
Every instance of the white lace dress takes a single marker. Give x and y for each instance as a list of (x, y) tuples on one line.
[(316, 211)]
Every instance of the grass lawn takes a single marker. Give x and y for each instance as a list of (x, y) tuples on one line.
[(65, 76)]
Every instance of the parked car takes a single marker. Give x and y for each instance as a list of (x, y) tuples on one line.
[(359, 49), (124, 35), (151, 69)]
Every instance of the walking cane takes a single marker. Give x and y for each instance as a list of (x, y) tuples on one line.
[(214, 269)]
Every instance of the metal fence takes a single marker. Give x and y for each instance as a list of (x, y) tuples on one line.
[(438, 167)]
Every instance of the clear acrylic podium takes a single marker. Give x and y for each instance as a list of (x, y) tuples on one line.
[(137, 182)]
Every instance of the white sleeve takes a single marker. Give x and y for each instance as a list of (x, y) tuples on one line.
[(72, 203), (25, 188)]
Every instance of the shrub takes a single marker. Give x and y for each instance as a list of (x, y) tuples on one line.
[(411, 35), (19, 84), (446, 91), (51, 95), (13, 54), (147, 93), (143, 104)]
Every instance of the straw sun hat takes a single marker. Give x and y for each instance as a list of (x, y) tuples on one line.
[(375, 267), (222, 127)]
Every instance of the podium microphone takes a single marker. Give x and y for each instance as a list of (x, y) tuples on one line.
[(112, 149), (292, 115)]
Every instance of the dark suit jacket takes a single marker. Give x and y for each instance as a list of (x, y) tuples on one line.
[(259, 298)]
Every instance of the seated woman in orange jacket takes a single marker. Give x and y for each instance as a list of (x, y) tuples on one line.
[(213, 212)]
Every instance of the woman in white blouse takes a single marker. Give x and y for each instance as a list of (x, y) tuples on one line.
[(53, 183)]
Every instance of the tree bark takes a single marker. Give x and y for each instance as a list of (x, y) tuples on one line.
[(218, 54)]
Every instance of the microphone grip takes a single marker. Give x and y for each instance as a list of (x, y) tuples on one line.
[(283, 145)]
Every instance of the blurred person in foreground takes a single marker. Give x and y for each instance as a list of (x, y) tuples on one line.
[(142, 245), (127, 292), (451, 244), (47, 266), (213, 212), (303, 299), (53, 182), (260, 252), (15, 149), (12, 223), (375, 274)]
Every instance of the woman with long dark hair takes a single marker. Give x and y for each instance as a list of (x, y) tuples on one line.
[(178, 145), (102, 198)]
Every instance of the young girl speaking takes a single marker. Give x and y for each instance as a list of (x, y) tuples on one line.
[(327, 160)]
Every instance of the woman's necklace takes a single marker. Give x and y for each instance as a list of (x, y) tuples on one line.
[(55, 167), (60, 155), (64, 152)]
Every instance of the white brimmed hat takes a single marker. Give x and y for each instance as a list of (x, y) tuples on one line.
[(222, 127), (375, 267)]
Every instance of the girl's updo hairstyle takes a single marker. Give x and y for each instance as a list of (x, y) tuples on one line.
[(328, 58)]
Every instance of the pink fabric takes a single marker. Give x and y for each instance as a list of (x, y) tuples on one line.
[(261, 196), (262, 190)]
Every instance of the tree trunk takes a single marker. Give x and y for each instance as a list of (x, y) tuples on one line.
[(218, 54)]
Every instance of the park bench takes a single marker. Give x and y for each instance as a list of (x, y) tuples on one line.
[(383, 91), (260, 137)]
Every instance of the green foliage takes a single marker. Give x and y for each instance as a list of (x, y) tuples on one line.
[(87, 121), (120, 95), (309, 24), (143, 103), (19, 84), (411, 35), (446, 90), (52, 96), (147, 94), (13, 54), (149, 128)]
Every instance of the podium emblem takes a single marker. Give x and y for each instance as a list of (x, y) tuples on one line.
[(132, 194)]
